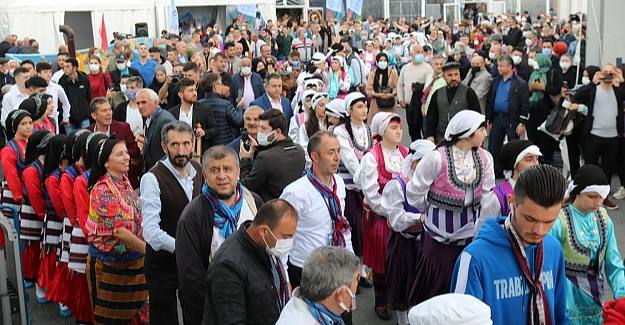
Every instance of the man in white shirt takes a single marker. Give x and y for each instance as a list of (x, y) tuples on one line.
[(44, 70), (12, 100), (60, 61), (319, 198)]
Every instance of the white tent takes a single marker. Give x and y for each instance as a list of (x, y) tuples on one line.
[(40, 19), (267, 9)]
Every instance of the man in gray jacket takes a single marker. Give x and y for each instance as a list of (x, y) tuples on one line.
[(479, 80)]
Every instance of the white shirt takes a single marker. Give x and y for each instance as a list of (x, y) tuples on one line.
[(58, 94), (134, 119), (296, 312), (57, 76), (276, 104), (10, 102), (314, 225), (245, 215), (367, 176), (186, 117), (248, 92), (393, 204), (348, 156)]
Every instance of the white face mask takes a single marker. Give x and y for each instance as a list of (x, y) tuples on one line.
[(246, 71), (282, 247), (122, 88), (263, 139), (532, 63), (289, 69), (121, 66), (383, 65), (528, 42), (516, 59), (585, 80), (342, 305), (94, 67), (492, 55), (565, 65)]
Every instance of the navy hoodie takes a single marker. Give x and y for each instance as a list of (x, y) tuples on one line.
[(488, 270)]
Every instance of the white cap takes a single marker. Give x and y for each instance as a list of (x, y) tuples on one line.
[(336, 108), (302, 99), (318, 58), (451, 308), (340, 60), (464, 124), (350, 99), (381, 120), (317, 97)]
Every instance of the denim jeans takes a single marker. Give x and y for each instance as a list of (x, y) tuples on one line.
[(500, 129)]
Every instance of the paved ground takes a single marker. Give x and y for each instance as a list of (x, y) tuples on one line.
[(364, 314)]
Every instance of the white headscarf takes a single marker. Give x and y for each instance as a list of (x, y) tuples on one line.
[(419, 149), (451, 308), (380, 122), (464, 124)]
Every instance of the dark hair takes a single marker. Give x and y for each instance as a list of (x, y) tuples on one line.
[(98, 170), (209, 80), (384, 74), (272, 212), (89, 149), (315, 141), (506, 58), (228, 45), (177, 126), (184, 83), (189, 66), (135, 79), (33, 147), (27, 62), (41, 66), (54, 156), (20, 70), (95, 102), (543, 184), (72, 61), (154, 49), (276, 120), (218, 153), (219, 55), (36, 82), (62, 53)]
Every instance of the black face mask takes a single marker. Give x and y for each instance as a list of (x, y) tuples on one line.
[(475, 69), (262, 72)]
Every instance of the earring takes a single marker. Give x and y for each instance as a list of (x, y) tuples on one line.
[(106, 166)]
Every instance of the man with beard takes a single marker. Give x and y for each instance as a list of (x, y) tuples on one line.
[(448, 101), (165, 190), (206, 222)]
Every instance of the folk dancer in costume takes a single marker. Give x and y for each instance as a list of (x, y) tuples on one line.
[(516, 156), (381, 164), (512, 265), (55, 213), (586, 234), (298, 119), (60, 289), (40, 106), (115, 261), (356, 140), (406, 223), (19, 127), (32, 215), (81, 306), (450, 186), (316, 121)]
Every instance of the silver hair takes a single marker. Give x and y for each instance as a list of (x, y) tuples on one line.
[(151, 94), (177, 126), (326, 269)]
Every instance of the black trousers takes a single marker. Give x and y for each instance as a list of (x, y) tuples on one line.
[(295, 278), (620, 167), (574, 146), (603, 152), (162, 279)]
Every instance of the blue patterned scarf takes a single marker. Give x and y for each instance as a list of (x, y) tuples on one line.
[(323, 315), (226, 218)]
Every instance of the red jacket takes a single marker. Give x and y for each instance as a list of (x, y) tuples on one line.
[(32, 182), (82, 201), (9, 167), (122, 131), (614, 312), (67, 193), (99, 84), (53, 187)]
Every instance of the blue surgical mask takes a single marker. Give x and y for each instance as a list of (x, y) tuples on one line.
[(419, 58), (547, 52), (131, 94), (263, 139)]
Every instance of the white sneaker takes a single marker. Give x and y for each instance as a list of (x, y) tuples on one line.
[(620, 194)]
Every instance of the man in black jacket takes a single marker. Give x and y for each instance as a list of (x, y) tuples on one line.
[(275, 148), (206, 222), (76, 86), (228, 119), (246, 283), (507, 109)]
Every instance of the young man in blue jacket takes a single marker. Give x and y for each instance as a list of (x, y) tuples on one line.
[(513, 266)]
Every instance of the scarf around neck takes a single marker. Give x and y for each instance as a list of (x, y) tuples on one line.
[(323, 315), (226, 218), (539, 305), (339, 223)]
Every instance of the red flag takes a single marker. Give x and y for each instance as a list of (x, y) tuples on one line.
[(103, 40)]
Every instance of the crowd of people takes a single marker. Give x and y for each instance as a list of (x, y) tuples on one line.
[(258, 176)]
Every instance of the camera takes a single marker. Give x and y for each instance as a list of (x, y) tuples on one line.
[(176, 78), (245, 138), (122, 36)]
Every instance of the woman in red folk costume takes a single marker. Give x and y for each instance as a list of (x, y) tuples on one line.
[(53, 227), (79, 247), (19, 127), (60, 289), (40, 106), (381, 164), (33, 212)]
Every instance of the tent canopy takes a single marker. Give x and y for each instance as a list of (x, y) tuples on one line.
[(39, 19)]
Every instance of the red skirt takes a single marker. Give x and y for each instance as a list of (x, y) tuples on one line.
[(47, 268), (59, 289), (30, 261), (375, 240), (80, 299)]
